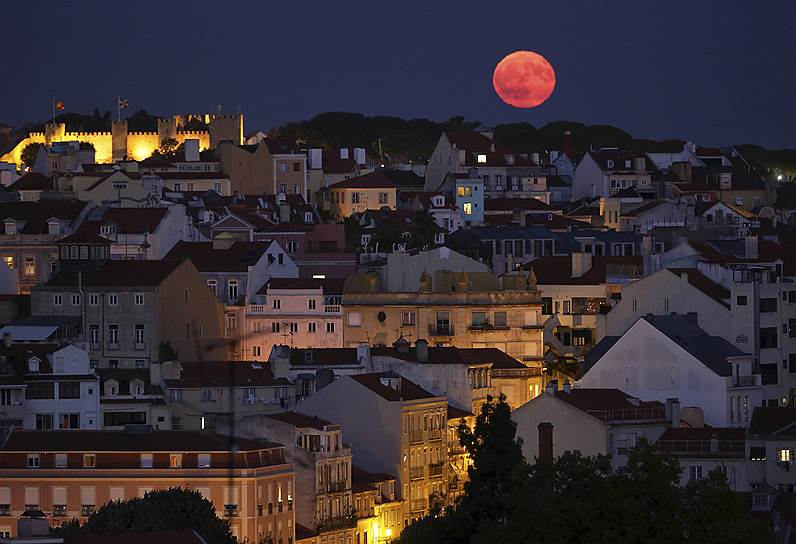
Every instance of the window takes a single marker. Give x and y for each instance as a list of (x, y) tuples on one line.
[(768, 337), (175, 460), (384, 198), (68, 390), (140, 363), (694, 472), (33, 460), (293, 328), (311, 304), (232, 290), (176, 424), (330, 326), (69, 421), (768, 305), (500, 319), (354, 319), (465, 190), (113, 335), (468, 208), (204, 460), (44, 422), (76, 299), (139, 299), (478, 319), (481, 158), (139, 336), (408, 319), (93, 299), (757, 453), (276, 304), (785, 455), (232, 322), (58, 299), (146, 460), (310, 327), (282, 167), (207, 395), (741, 339), (740, 300), (40, 390), (275, 326), (256, 351), (113, 299), (61, 460), (355, 198), (213, 284), (30, 266), (89, 460), (280, 258)]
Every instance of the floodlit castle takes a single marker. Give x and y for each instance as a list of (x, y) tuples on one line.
[(120, 143)]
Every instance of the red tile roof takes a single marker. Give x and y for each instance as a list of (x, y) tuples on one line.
[(476, 143), (407, 390), (226, 373), (373, 180), (301, 421), (458, 413), (611, 404), (557, 270), (779, 420), (712, 289), (236, 258), (36, 214), (32, 181), (133, 220), (330, 286), (119, 274)]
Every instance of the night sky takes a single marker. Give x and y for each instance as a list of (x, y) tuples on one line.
[(716, 72)]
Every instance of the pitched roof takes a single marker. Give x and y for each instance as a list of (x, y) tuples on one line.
[(454, 355), (557, 270), (36, 214), (131, 220), (477, 143), (85, 235), (80, 440), (618, 158), (373, 180), (323, 356), (362, 476), (406, 390), (403, 179), (610, 404), (32, 181), (187, 536), (226, 373), (122, 273), (330, 286), (774, 420), (282, 146), (508, 204), (712, 289), (300, 420), (237, 258), (458, 413)]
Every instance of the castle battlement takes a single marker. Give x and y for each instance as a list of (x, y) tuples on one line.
[(193, 132), (144, 133), (85, 134)]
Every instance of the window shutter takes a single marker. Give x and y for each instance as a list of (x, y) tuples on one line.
[(59, 495), (31, 495), (88, 496)]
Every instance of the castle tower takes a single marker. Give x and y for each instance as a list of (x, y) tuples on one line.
[(119, 140), (167, 128), (226, 127), (54, 133)]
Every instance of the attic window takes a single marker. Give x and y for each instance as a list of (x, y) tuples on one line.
[(610, 163), (11, 227), (481, 158), (33, 365), (107, 229), (628, 163)]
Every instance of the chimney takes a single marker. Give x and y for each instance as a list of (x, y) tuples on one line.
[(284, 212), (421, 350), (581, 263), (363, 353), (750, 247), (7, 340), (546, 440), (191, 147), (672, 412), (343, 152), (551, 387)]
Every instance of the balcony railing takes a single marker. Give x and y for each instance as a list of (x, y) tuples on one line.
[(333, 487), (435, 434), (332, 309), (416, 436), (435, 469), (415, 473), (629, 414), (417, 505), (257, 308), (746, 381), (440, 330), (340, 522)]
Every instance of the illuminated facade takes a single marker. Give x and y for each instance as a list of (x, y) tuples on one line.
[(119, 143)]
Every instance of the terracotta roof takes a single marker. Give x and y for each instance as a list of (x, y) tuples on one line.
[(609, 404), (85, 235), (554, 221), (226, 373), (123, 273), (53, 441), (712, 289), (282, 146), (508, 204), (333, 164), (373, 180), (775, 420), (237, 258), (619, 156), (557, 270), (191, 175), (300, 420), (403, 179), (32, 181), (104, 177), (304, 533), (323, 356), (36, 214), (187, 536), (132, 220), (454, 355), (645, 207), (458, 413), (407, 390), (362, 476)]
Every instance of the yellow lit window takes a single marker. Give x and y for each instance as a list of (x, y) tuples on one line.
[(175, 460), (481, 158), (465, 190), (468, 208), (784, 456), (9, 260), (89, 460)]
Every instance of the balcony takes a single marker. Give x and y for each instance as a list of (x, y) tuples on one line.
[(416, 436), (340, 522), (417, 473), (435, 434), (435, 469), (333, 487), (746, 381), (257, 309), (732, 448), (440, 330), (332, 309), (487, 327), (417, 505), (629, 414)]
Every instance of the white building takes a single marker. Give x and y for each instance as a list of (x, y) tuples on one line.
[(609, 170), (669, 356)]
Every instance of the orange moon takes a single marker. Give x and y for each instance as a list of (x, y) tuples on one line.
[(524, 79)]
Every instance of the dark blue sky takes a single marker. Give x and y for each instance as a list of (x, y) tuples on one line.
[(717, 72)]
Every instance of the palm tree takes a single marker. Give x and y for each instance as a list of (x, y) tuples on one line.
[(425, 228)]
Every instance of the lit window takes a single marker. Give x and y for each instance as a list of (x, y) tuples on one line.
[(175, 460), (784, 456), (481, 158), (468, 208)]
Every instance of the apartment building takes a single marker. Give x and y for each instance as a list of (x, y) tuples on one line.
[(606, 171), (273, 166), (395, 427), (301, 313), (72, 474), (128, 396), (371, 191), (137, 312), (323, 470), (463, 309), (377, 509)]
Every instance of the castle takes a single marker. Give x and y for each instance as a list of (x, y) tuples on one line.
[(121, 143)]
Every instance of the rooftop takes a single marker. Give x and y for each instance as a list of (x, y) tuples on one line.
[(207, 258), (226, 373), (123, 273), (301, 421), (373, 180), (610, 405), (404, 390)]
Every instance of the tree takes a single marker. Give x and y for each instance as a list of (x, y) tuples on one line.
[(424, 229), (29, 153), (171, 509), (353, 233)]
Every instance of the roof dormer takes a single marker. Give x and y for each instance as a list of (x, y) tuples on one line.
[(34, 365), (54, 226), (10, 226), (110, 388)]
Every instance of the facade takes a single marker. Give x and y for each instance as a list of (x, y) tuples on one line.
[(591, 421), (772, 443), (463, 309), (395, 427), (669, 356), (400, 271), (138, 312), (378, 510), (355, 195), (129, 396), (72, 474), (469, 194), (608, 171), (271, 167)]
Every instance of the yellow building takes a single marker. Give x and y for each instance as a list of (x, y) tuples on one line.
[(355, 195), (462, 309), (119, 143)]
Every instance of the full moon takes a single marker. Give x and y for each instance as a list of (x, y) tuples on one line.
[(524, 79)]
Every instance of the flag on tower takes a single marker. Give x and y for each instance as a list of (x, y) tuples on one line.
[(59, 105), (122, 103)]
